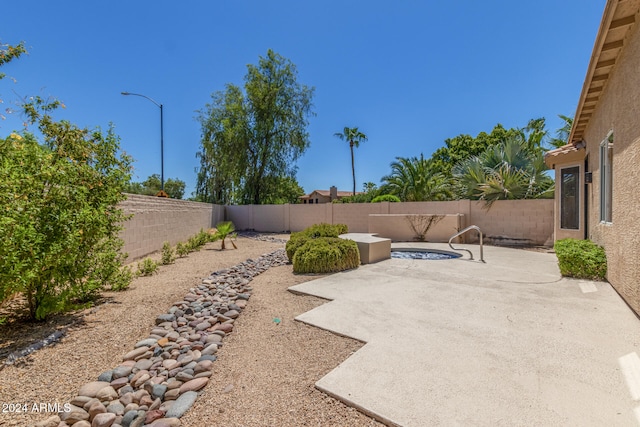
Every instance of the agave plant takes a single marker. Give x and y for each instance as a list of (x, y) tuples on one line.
[(226, 229)]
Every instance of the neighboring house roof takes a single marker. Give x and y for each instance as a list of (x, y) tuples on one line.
[(327, 193), (617, 20)]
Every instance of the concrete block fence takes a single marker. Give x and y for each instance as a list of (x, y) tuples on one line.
[(157, 220), (511, 222)]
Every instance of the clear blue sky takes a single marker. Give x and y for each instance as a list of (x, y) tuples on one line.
[(408, 73)]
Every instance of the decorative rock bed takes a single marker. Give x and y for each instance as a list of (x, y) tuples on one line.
[(159, 380)]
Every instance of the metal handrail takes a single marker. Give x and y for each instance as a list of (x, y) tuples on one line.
[(471, 227)]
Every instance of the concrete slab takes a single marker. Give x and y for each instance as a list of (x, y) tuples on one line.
[(459, 342)]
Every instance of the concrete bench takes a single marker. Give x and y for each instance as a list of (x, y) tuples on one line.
[(371, 247)]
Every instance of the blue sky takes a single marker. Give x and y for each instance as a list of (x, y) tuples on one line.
[(409, 74)]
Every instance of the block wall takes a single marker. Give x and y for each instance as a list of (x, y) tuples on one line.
[(157, 220), (510, 222)]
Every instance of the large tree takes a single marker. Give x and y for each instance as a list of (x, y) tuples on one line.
[(354, 137), (151, 186), (463, 146), (413, 180), (251, 138), (7, 54), (510, 170)]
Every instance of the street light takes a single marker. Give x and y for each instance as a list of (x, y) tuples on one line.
[(161, 193)]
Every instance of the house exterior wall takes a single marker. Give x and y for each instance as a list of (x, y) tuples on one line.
[(619, 110), (157, 220)]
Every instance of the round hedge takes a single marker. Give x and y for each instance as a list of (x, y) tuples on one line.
[(313, 232), (326, 255)]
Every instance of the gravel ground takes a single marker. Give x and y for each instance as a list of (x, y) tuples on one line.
[(265, 372)]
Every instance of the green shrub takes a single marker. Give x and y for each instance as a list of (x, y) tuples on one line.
[(326, 255), (124, 279), (168, 254), (147, 267), (581, 259), (385, 198), (313, 232), (182, 249), (61, 220)]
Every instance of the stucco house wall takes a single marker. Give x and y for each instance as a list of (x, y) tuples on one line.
[(619, 111), (611, 108)]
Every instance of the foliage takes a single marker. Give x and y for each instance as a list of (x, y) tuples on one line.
[(251, 140), (152, 185), (281, 190), (420, 224), (123, 280), (385, 198), (182, 249), (60, 219), (225, 229), (168, 254), (147, 267), (197, 241), (461, 147), (296, 240), (413, 180), (354, 137), (7, 54), (505, 171), (562, 134), (581, 259), (326, 255)]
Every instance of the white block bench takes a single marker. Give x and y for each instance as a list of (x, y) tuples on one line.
[(371, 247)]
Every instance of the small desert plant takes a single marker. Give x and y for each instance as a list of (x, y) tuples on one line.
[(581, 259), (147, 267), (326, 255), (168, 254), (225, 229), (124, 279), (420, 224), (182, 249), (385, 198)]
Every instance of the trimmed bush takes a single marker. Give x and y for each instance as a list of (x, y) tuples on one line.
[(581, 259), (385, 198), (298, 239), (326, 255)]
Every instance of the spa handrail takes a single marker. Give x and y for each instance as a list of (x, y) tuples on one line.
[(471, 227)]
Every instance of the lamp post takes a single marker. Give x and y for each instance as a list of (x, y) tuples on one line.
[(162, 193)]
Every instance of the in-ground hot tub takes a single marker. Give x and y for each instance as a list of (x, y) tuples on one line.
[(428, 254)]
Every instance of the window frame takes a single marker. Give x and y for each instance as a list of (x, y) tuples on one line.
[(578, 184), (606, 179)]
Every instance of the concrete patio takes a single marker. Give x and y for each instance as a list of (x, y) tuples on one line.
[(458, 342)]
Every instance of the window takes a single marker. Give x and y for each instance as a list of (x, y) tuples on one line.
[(570, 198), (310, 201), (606, 177)]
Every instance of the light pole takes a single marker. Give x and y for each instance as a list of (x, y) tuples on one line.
[(162, 193)]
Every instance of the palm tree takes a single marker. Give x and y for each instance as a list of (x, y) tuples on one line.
[(355, 137), (562, 134), (225, 229), (413, 180), (504, 171)]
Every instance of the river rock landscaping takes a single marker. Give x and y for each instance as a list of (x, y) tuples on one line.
[(159, 380)]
